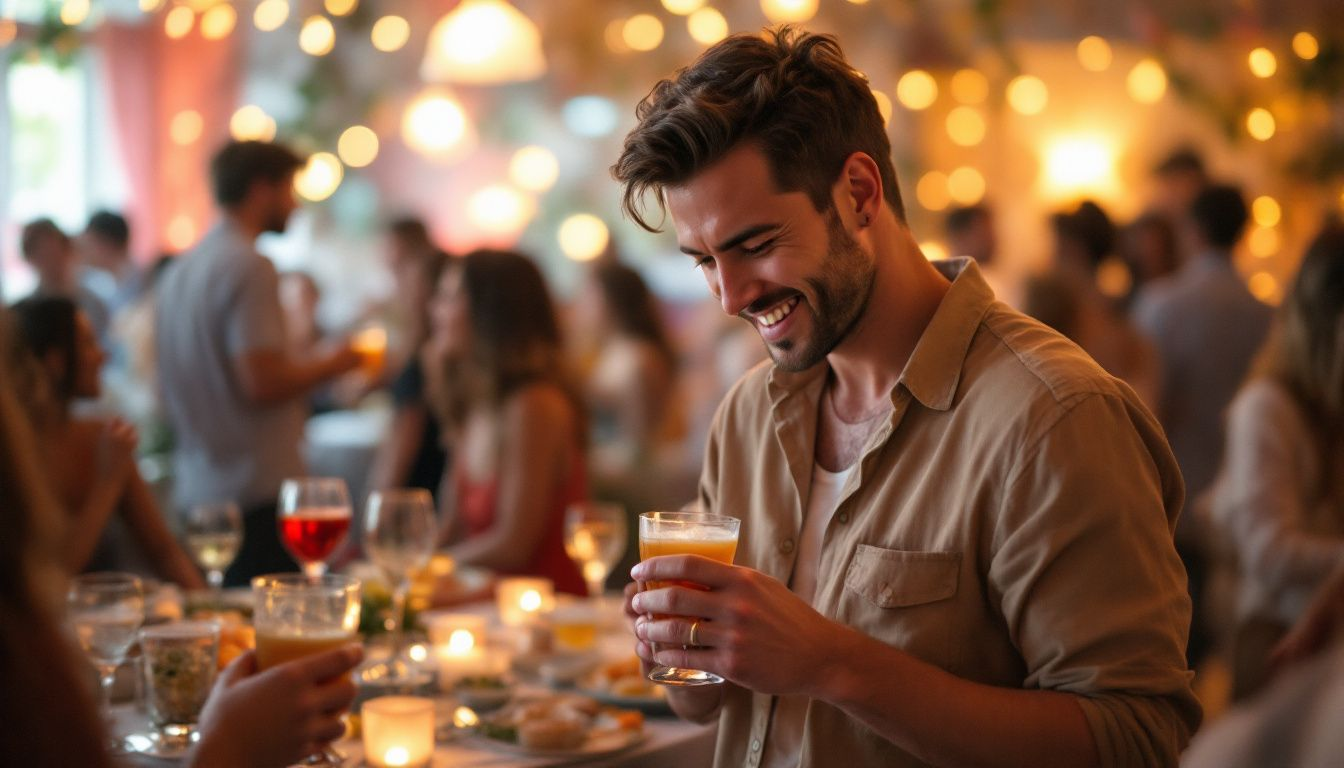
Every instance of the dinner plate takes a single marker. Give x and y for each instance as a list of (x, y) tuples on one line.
[(600, 743), (649, 705)]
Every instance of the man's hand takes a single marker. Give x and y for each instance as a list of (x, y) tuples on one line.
[(752, 630), (279, 716), (698, 704)]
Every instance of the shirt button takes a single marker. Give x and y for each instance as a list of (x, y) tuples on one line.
[(786, 546), (844, 517), (755, 745), (885, 594)]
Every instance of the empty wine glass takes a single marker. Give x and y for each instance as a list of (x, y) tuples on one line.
[(106, 610), (595, 539), (213, 534), (313, 516), (399, 533)]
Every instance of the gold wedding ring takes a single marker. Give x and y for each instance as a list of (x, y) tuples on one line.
[(695, 629)]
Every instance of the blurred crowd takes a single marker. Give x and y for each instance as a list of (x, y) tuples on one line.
[(510, 405)]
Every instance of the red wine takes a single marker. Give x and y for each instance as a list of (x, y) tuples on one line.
[(311, 534)]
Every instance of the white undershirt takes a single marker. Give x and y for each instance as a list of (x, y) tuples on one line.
[(786, 728)]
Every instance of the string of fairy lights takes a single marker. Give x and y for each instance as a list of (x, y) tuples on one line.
[(491, 42)]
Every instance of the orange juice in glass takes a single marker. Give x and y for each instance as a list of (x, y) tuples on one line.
[(371, 344), (296, 615), (685, 533)]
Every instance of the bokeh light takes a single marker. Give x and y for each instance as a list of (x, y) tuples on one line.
[(317, 180), (916, 89), (1146, 82), (218, 22), (1094, 53), (358, 146), (643, 32), (390, 33), (500, 209), (965, 126), (969, 86), (181, 232), (1306, 46), (682, 7), (707, 26), (251, 123), (178, 22), (931, 191), (534, 168), (1263, 242), (884, 105), (9, 30), (341, 7), (965, 185), (270, 15), (318, 36), (74, 12), (1260, 124), (789, 11), (1262, 62), (1264, 287), (1266, 211), (933, 250), (1078, 164), (583, 237), (186, 127), (1027, 95), (435, 124)]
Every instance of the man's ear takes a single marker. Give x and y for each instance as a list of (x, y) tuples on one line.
[(859, 190)]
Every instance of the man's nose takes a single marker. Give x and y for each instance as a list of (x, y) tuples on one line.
[(735, 287)]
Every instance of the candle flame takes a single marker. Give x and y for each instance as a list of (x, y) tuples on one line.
[(417, 652), (465, 717), (396, 756), (460, 642), (530, 601)]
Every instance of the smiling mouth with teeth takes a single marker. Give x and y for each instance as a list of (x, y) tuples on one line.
[(774, 316)]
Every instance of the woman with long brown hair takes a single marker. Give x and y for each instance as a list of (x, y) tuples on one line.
[(1280, 495), (513, 425)]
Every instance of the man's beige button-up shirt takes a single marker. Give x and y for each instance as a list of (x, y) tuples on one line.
[(1011, 524)]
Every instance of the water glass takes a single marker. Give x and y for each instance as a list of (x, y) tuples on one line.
[(179, 663)]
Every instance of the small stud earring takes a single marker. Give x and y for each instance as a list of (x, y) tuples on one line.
[(864, 221)]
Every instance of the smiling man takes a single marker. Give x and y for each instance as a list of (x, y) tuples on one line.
[(956, 529)]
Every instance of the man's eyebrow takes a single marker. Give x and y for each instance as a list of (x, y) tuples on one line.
[(735, 240)]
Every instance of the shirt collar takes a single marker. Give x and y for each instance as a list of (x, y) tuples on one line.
[(934, 368)]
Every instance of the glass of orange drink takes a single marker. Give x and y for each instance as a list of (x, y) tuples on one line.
[(685, 533), (296, 615)]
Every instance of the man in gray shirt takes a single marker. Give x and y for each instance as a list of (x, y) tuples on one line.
[(1206, 327), (232, 392)]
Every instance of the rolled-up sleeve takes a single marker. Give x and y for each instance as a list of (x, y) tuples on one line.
[(1089, 583)]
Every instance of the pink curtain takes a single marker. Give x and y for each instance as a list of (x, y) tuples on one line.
[(148, 79)]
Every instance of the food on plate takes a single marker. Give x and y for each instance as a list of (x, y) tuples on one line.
[(624, 678), (558, 722)]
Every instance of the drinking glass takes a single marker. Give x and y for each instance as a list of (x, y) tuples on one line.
[(399, 531), (685, 533), (296, 615), (179, 666), (213, 534), (595, 539), (106, 610), (314, 516)]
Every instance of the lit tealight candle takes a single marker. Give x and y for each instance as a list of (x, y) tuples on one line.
[(398, 731), (522, 601)]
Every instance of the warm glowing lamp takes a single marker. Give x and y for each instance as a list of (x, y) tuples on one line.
[(500, 209), (1077, 165), (534, 169), (436, 125), (483, 42), (789, 11)]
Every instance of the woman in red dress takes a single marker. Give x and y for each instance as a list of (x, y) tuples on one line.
[(511, 419)]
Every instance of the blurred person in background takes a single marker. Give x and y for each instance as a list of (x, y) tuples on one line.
[(1179, 179), (631, 388), (266, 719), (52, 255), (233, 391), (411, 454), (407, 249), (970, 232), (1279, 497), (1149, 249), (513, 424), (1070, 301), (91, 461), (105, 246), (1206, 327)]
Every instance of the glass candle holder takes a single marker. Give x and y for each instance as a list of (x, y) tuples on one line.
[(398, 731), (523, 601)]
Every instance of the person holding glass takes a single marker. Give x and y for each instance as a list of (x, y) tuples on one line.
[(254, 718), (91, 460), (511, 418), (953, 521)]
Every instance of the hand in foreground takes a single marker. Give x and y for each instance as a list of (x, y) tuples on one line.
[(279, 716), (753, 630)]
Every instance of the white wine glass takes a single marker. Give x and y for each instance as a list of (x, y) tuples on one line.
[(106, 610), (595, 539), (399, 532), (313, 516), (213, 534)]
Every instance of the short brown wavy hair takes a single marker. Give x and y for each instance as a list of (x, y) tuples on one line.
[(792, 93)]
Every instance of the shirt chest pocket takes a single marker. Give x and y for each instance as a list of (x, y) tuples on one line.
[(903, 598)]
